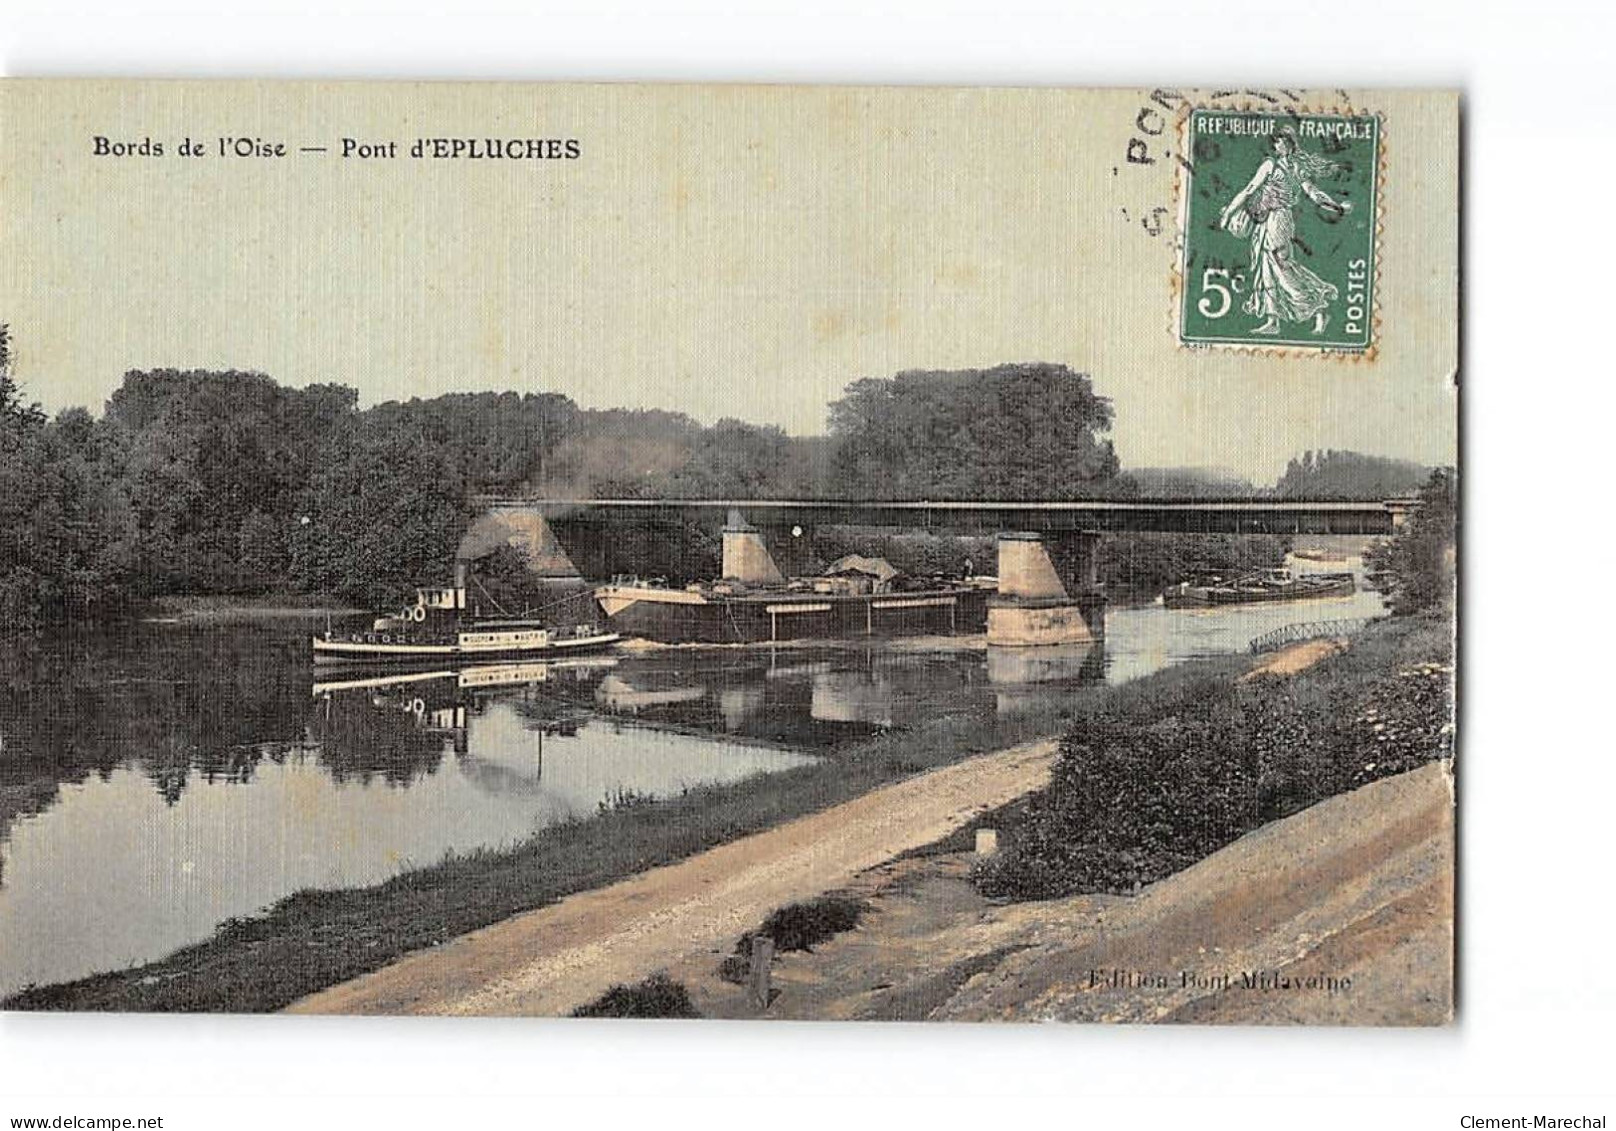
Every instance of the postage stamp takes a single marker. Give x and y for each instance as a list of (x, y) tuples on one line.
[(1278, 215)]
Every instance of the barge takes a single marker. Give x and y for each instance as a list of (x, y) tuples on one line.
[(1272, 585), (864, 598)]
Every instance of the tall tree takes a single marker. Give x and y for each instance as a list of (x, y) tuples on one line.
[(66, 535), (1014, 431), (1417, 565), (382, 514), (216, 462)]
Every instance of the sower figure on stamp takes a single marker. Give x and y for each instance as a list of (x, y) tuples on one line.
[(1265, 211)]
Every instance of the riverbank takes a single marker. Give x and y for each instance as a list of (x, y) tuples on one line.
[(556, 959), (1354, 891)]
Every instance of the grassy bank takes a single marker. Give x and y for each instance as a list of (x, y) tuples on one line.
[(316, 939), (1143, 790)]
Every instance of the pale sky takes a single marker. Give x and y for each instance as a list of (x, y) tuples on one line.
[(739, 251)]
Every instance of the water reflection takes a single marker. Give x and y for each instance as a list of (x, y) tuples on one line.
[(1025, 679), (806, 697), (344, 787)]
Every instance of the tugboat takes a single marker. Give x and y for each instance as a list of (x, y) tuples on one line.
[(436, 628), (1273, 585)]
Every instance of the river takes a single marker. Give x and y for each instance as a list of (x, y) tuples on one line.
[(157, 780)]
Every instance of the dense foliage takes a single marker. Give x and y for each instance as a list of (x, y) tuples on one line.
[(1416, 567), (214, 466), (203, 482), (380, 514), (66, 534), (1030, 431)]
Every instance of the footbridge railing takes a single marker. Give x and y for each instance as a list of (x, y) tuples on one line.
[(1309, 630)]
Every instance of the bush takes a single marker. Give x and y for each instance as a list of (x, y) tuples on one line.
[(802, 926), (1140, 793), (1127, 806), (657, 996), (797, 926)]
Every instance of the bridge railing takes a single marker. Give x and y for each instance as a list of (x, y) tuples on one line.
[(1309, 630)]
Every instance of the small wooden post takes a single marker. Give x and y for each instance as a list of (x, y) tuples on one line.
[(762, 961)]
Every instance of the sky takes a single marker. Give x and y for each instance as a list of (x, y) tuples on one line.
[(720, 251)]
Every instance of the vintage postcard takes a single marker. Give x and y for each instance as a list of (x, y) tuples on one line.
[(728, 551)]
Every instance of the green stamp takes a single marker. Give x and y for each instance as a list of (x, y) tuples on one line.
[(1278, 217)]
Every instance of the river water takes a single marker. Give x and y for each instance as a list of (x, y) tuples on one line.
[(156, 780)]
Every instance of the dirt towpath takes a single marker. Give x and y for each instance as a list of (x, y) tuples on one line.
[(1340, 914), (550, 961)]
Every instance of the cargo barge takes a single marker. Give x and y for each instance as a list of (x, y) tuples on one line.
[(1274, 585), (852, 600)]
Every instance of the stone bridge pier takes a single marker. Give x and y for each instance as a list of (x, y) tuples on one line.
[(1049, 590), (524, 531), (764, 555)]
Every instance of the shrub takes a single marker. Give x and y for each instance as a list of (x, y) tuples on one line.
[(1127, 806), (656, 996), (802, 926), (1139, 794), (797, 926)]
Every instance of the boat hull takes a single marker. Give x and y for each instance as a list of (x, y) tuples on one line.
[(1202, 597), (678, 616), (335, 649)]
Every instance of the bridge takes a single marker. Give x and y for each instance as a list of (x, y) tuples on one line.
[(1109, 516), (1048, 591)]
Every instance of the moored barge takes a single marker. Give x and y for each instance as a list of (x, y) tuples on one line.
[(867, 598), (1272, 585)]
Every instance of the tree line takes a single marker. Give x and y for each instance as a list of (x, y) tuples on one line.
[(1350, 475), (227, 482)]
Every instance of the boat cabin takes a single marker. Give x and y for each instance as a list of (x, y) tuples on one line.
[(451, 599)]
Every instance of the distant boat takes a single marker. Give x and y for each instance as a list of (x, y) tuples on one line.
[(436, 628), (1272, 585)]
